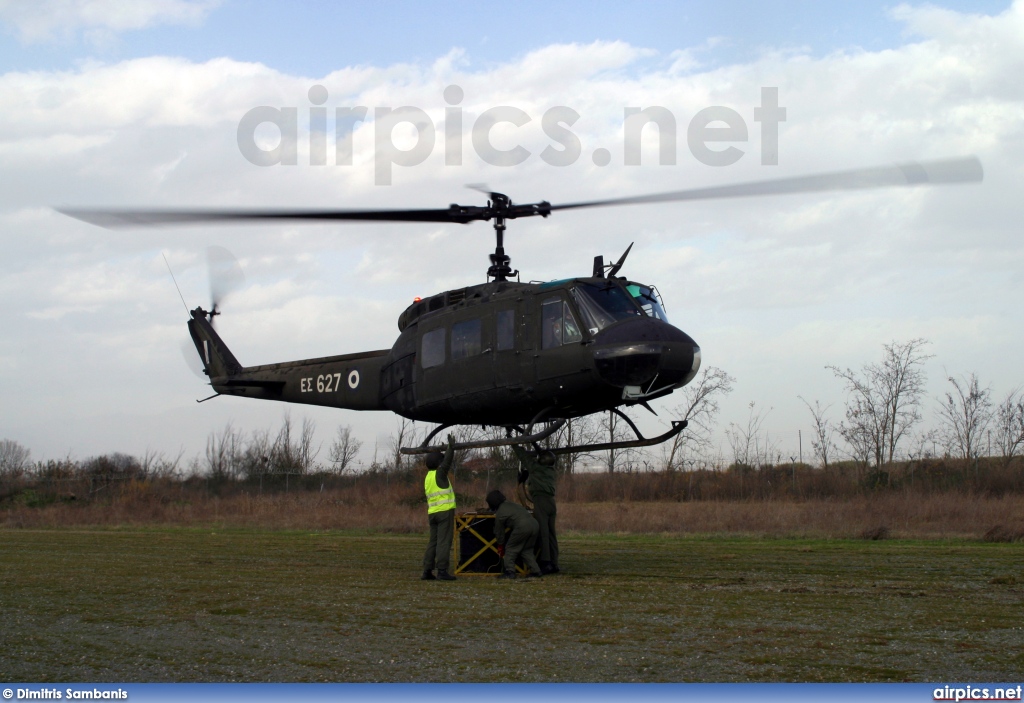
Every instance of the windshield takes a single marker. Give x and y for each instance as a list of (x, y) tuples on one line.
[(648, 299), (601, 305)]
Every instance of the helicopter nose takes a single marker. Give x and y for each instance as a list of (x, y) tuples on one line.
[(637, 351)]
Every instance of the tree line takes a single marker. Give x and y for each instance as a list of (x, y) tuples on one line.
[(881, 424)]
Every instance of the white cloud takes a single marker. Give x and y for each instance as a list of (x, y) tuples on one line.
[(773, 289), (48, 20)]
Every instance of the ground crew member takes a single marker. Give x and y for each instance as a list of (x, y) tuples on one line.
[(440, 513), (538, 473), (522, 538)]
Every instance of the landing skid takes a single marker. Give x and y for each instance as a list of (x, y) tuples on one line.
[(425, 448), (640, 441), (527, 436)]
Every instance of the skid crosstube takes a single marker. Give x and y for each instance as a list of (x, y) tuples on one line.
[(524, 438)]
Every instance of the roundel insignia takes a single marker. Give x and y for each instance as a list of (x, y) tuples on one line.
[(353, 379)]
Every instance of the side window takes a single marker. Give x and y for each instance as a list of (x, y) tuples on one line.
[(506, 330), (465, 339), (558, 326), (551, 323), (432, 348)]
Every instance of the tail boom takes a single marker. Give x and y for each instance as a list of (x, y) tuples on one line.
[(347, 381)]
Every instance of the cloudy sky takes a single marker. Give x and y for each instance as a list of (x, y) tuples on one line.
[(105, 103)]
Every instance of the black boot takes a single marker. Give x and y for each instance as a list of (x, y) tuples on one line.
[(443, 575), (428, 575), (511, 574), (548, 567)]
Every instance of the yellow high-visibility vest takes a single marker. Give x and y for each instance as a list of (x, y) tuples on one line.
[(438, 499)]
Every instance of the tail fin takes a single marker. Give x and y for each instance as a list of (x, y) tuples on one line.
[(218, 361)]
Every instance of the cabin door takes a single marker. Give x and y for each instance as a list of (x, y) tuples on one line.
[(513, 349)]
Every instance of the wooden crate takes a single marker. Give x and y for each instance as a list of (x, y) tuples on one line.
[(474, 552)]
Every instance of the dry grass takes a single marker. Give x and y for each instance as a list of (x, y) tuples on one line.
[(330, 510), (847, 480), (902, 516), (932, 499), (397, 507)]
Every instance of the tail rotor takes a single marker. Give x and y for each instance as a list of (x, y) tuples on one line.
[(225, 276)]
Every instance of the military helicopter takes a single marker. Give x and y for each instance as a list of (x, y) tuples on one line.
[(505, 353)]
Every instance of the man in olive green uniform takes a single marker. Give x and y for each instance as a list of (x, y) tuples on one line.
[(538, 473), (522, 537), (440, 513)]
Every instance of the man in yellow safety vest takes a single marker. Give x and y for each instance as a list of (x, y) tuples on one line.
[(440, 514)]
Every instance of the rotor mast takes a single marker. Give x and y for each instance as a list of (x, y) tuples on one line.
[(500, 268)]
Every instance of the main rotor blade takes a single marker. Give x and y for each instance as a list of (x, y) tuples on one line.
[(962, 170), (122, 218)]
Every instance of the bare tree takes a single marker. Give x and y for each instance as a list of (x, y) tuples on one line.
[(256, 461), (615, 429), (156, 465), (860, 441), (283, 457), (823, 442), (306, 453), (884, 400), (291, 456), (13, 458), (1009, 419), (403, 435), (965, 414), (700, 410), (575, 432), (463, 435), (498, 461), (919, 445), (223, 452), (344, 449), (748, 448)]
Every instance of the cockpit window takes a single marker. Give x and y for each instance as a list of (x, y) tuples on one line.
[(601, 305), (648, 300)]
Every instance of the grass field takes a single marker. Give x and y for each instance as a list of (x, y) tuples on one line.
[(250, 605)]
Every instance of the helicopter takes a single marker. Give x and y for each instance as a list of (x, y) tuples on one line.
[(523, 356)]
